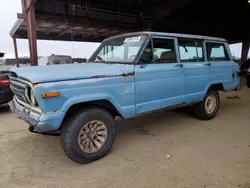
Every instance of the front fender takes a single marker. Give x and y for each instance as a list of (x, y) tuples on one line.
[(127, 111)]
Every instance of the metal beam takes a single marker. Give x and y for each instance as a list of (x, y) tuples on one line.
[(78, 32), (38, 24), (63, 32), (31, 30), (16, 52), (22, 16), (245, 50), (51, 29)]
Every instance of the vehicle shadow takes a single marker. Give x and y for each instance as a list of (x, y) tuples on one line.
[(4, 108), (47, 149)]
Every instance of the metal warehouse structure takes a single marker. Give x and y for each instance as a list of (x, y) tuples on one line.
[(94, 20)]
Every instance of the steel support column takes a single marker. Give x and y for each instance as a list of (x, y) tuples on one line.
[(16, 52), (31, 30), (245, 50)]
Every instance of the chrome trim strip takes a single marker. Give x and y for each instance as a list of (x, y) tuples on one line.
[(17, 83), (38, 110), (31, 114), (22, 81)]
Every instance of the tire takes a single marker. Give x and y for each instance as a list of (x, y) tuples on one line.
[(202, 110), (77, 141)]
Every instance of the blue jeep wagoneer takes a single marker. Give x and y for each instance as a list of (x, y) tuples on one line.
[(127, 75)]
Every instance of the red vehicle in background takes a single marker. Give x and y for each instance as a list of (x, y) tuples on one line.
[(6, 94)]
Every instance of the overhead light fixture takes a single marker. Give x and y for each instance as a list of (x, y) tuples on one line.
[(249, 1)]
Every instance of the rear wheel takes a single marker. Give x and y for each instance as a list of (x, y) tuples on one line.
[(88, 136), (209, 106)]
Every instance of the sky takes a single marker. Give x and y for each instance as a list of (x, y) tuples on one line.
[(8, 16)]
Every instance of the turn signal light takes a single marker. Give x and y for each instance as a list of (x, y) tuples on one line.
[(50, 94)]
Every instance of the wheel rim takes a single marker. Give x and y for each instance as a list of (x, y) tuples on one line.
[(93, 136), (210, 103)]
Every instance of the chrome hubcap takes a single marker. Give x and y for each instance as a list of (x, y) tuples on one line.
[(210, 103), (92, 136)]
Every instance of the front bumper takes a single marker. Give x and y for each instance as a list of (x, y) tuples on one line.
[(45, 122)]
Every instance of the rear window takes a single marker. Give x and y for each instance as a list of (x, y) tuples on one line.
[(216, 52)]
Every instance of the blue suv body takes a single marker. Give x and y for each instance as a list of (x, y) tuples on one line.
[(127, 75)]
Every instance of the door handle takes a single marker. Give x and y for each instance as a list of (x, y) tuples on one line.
[(141, 66), (179, 65), (207, 64)]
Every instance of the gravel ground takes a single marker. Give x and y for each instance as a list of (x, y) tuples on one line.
[(166, 149)]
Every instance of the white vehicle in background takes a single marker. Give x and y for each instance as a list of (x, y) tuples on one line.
[(54, 60)]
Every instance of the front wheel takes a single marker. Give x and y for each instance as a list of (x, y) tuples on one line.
[(209, 106), (88, 136)]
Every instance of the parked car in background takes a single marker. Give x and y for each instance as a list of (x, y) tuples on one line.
[(128, 75), (6, 94), (55, 59)]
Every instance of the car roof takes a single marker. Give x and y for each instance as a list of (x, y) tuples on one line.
[(178, 35)]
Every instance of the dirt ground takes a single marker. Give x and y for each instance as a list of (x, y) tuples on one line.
[(169, 149)]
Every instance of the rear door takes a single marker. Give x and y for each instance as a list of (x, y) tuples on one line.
[(196, 69), (218, 57), (159, 76)]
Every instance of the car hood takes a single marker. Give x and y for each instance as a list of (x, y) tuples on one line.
[(54, 73)]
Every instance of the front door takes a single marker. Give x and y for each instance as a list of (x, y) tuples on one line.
[(159, 78), (196, 69)]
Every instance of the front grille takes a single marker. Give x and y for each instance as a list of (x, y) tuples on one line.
[(18, 88), (18, 91)]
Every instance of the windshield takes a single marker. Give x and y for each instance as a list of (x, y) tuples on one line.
[(119, 50)]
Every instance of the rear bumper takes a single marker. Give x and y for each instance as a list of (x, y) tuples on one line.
[(47, 122)]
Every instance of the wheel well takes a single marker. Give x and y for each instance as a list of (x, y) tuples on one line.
[(99, 103), (218, 87)]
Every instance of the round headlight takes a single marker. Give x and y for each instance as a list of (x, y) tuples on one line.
[(32, 97)]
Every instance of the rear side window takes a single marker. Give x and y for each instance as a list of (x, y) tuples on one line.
[(190, 50), (216, 52)]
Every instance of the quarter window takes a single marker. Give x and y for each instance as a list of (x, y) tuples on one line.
[(216, 52), (190, 50)]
